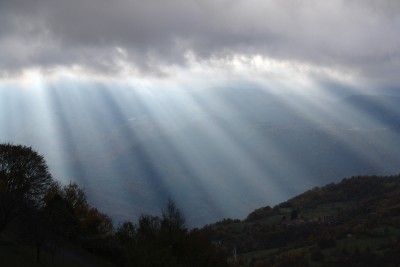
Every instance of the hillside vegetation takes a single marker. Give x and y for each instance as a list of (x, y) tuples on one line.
[(45, 223), (354, 223)]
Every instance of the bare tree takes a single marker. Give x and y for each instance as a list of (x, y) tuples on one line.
[(172, 217)]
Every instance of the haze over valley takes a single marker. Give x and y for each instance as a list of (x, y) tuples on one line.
[(218, 152)]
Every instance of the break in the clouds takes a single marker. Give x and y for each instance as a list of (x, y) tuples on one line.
[(357, 38)]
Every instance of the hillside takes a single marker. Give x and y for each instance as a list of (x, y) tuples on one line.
[(355, 223)]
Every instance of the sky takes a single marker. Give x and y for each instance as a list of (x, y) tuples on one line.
[(288, 43)]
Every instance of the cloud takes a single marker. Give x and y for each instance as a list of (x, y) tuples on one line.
[(359, 36)]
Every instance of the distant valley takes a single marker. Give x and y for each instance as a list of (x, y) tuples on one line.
[(218, 153)]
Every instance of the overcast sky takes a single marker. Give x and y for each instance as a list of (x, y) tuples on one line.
[(352, 41)]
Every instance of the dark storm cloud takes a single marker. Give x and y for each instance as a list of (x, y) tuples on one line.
[(363, 36)]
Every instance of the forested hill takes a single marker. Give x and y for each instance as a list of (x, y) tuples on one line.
[(356, 222), (371, 190)]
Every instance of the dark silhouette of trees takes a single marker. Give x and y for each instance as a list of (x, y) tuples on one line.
[(24, 178), (34, 229), (70, 217), (165, 241), (24, 173), (10, 207), (61, 216), (126, 232), (47, 214), (172, 218), (148, 227), (76, 197)]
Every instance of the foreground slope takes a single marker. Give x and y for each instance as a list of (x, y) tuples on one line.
[(15, 254)]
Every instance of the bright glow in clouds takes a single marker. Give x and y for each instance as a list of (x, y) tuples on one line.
[(279, 76), (148, 37)]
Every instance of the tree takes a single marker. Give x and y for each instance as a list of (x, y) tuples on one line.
[(68, 203), (126, 232), (148, 227), (76, 196), (34, 228), (96, 224), (61, 217), (165, 241), (172, 217), (24, 179), (9, 209), (23, 173)]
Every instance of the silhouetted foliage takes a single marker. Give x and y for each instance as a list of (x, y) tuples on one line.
[(10, 208), (259, 213), (172, 218), (76, 197), (126, 233), (165, 241), (23, 173), (49, 213), (24, 178)]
